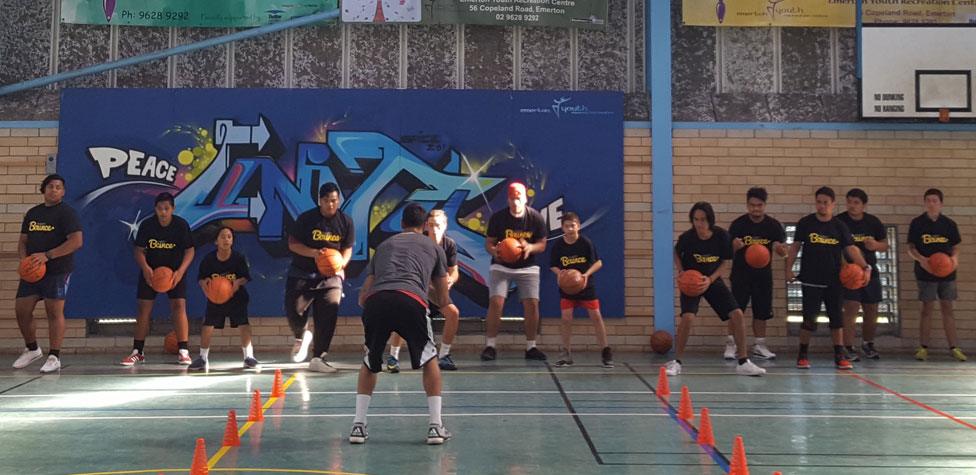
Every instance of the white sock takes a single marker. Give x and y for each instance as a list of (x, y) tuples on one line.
[(760, 341), (529, 344), (434, 408), (731, 339), (490, 341), (184, 352), (445, 349), (362, 406), (204, 353), (248, 350), (395, 352)]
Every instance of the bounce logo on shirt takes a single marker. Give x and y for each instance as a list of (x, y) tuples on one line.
[(568, 261), (157, 244), (318, 235), (518, 234), (43, 227), (750, 240), (705, 259), (231, 277), (818, 239), (934, 239)]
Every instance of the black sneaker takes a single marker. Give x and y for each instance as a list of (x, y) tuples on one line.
[(437, 434), (359, 434), (447, 363), (392, 364), (565, 359), (250, 362), (535, 354), (852, 355), (869, 351), (198, 364), (607, 357), (488, 354)]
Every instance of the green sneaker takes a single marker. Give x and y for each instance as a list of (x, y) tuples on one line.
[(958, 354), (922, 353)]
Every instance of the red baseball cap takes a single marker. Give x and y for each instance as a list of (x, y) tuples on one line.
[(516, 189)]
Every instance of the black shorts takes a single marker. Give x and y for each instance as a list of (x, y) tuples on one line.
[(757, 288), (830, 297), (53, 287), (389, 311), (717, 295), (870, 293), (235, 310), (145, 292)]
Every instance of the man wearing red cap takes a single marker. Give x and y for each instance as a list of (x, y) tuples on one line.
[(529, 228)]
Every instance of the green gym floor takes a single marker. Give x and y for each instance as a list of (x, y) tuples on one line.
[(894, 416)]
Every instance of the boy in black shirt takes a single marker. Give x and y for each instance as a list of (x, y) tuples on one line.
[(929, 233), (163, 240), (748, 283), (706, 248), (225, 263), (320, 228), (575, 251), (50, 234), (870, 237), (824, 239)]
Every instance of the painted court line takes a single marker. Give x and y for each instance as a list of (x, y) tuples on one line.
[(913, 401), (173, 392), (576, 418)]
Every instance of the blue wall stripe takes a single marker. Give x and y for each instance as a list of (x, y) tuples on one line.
[(662, 191), (894, 126), (28, 124)]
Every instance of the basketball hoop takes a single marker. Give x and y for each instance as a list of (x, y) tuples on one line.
[(943, 115)]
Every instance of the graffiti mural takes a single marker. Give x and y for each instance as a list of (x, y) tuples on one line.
[(254, 160)]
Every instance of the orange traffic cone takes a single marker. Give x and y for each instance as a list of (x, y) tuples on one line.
[(277, 389), (662, 383), (685, 411), (705, 435), (199, 466), (230, 432), (256, 415), (738, 465), (777, 473)]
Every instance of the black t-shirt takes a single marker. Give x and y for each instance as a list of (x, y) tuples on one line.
[(235, 267), (868, 226), (765, 232), (318, 232), (450, 249), (930, 237), (164, 245), (531, 227), (580, 255), (823, 249), (704, 256), (47, 227)]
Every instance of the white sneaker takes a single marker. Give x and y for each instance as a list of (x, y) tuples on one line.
[(760, 351), (749, 369), (299, 352), (28, 357), (672, 368), (730, 349), (51, 365), (320, 366)]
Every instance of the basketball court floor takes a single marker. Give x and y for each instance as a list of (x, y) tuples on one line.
[(894, 416)]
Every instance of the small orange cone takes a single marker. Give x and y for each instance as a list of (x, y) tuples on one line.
[(705, 435), (199, 466), (777, 473), (685, 411), (738, 465), (231, 438), (662, 383), (277, 389), (256, 415)]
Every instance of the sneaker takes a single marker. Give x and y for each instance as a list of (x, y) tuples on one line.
[(843, 363), (359, 434), (133, 358), (958, 354), (28, 357), (852, 355), (760, 351), (803, 362), (183, 358), (869, 351), (250, 362), (535, 354), (51, 365), (437, 434), (447, 363), (607, 357), (749, 369), (922, 353), (392, 364), (321, 366), (299, 352), (198, 364), (730, 350), (672, 368), (565, 359), (488, 354)]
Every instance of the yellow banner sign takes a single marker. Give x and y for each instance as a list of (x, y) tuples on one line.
[(824, 13)]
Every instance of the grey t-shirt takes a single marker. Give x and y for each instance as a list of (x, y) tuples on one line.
[(407, 261)]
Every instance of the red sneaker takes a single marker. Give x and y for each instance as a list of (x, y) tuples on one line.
[(844, 363), (803, 363), (133, 358)]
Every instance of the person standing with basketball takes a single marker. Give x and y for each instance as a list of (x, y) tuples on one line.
[(930, 233), (823, 239), (525, 224), (398, 277), (706, 248), (163, 240), (870, 237), (751, 283), (50, 234), (307, 289)]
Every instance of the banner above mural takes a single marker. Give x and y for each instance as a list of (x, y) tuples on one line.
[(253, 159), (824, 13), (590, 14), (189, 13)]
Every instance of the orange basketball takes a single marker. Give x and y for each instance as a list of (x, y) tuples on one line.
[(170, 345), (757, 256), (219, 290), (30, 272), (689, 281), (329, 262), (571, 281), (852, 276), (940, 263), (162, 279), (509, 250), (661, 342)]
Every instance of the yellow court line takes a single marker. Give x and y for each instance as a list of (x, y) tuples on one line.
[(243, 429), (242, 470)]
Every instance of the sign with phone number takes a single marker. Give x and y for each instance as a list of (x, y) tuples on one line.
[(591, 14), (189, 13)]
